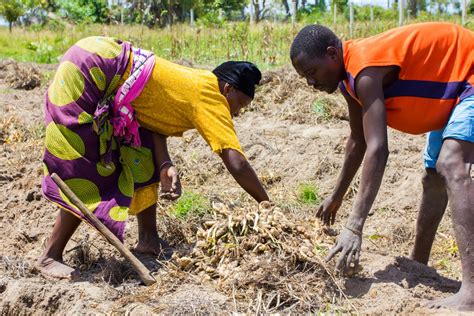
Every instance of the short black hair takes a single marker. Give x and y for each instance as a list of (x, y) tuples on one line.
[(313, 40)]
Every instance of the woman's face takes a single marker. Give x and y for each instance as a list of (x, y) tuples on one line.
[(237, 100)]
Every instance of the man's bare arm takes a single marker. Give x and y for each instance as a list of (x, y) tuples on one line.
[(369, 86), (355, 150)]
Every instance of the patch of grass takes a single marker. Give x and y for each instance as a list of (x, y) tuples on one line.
[(375, 237), (191, 204), (320, 108), (37, 131), (6, 90), (308, 193), (320, 250), (47, 77)]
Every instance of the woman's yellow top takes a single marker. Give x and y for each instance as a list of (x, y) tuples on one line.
[(178, 98)]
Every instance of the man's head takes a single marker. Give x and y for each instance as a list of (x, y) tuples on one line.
[(316, 54), (237, 81)]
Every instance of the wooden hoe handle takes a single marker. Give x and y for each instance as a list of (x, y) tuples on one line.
[(142, 271)]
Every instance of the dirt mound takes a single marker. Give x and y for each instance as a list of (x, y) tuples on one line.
[(283, 94), (20, 76), (265, 253)]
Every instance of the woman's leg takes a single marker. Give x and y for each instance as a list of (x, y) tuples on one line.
[(50, 263), (148, 240)]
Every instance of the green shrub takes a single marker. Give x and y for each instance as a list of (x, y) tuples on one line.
[(191, 204), (320, 108), (308, 193)]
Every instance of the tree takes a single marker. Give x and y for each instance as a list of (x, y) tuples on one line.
[(415, 6), (260, 9), (287, 8), (340, 4), (11, 10), (84, 10)]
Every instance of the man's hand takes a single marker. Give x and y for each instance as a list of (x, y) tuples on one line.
[(170, 184), (328, 209), (348, 244)]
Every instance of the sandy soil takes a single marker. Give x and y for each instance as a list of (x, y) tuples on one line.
[(288, 143)]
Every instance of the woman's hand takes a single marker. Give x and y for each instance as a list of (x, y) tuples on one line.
[(328, 209), (170, 184)]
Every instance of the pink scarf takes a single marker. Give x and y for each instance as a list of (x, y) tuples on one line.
[(123, 118)]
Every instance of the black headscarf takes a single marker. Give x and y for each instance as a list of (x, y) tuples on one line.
[(242, 75)]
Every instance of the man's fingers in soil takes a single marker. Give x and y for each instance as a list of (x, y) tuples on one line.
[(351, 257), (333, 217), (333, 251), (341, 260), (319, 213), (327, 218)]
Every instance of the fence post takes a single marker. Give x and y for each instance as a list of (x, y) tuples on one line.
[(252, 12), (372, 12), (351, 19), (400, 12), (335, 14), (121, 11), (463, 12), (293, 12), (191, 16)]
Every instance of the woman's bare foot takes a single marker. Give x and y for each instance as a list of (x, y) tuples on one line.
[(55, 269), (148, 240), (157, 247), (461, 301)]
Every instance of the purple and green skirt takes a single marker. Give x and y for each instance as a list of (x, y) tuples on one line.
[(80, 147)]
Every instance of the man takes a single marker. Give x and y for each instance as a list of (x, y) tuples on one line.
[(416, 79)]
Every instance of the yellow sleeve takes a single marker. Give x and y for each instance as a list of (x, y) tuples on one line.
[(213, 121)]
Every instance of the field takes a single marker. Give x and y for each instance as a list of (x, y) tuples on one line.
[(293, 136), (266, 44)]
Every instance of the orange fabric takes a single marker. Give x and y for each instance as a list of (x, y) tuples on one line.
[(436, 69)]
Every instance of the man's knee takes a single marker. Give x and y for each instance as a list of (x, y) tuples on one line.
[(431, 179), (453, 171)]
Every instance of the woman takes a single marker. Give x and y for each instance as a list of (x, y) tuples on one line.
[(108, 112)]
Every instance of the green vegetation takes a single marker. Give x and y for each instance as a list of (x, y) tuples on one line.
[(308, 193), (266, 44), (45, 29), (320, 108), (11, 10), (190, 204)]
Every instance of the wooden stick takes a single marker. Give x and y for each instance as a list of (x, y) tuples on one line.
[(142, 271)]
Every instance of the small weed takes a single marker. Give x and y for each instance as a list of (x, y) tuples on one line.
[(320, 108), (190, 204), (43, 52), (442, 264), (37, 131), (6, 90), (320, 250), (375, 237), (450, 247), (309, 193)]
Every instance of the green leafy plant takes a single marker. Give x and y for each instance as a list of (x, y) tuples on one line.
[(190, 204), (308, 193), (43, 51), (320, 108)]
